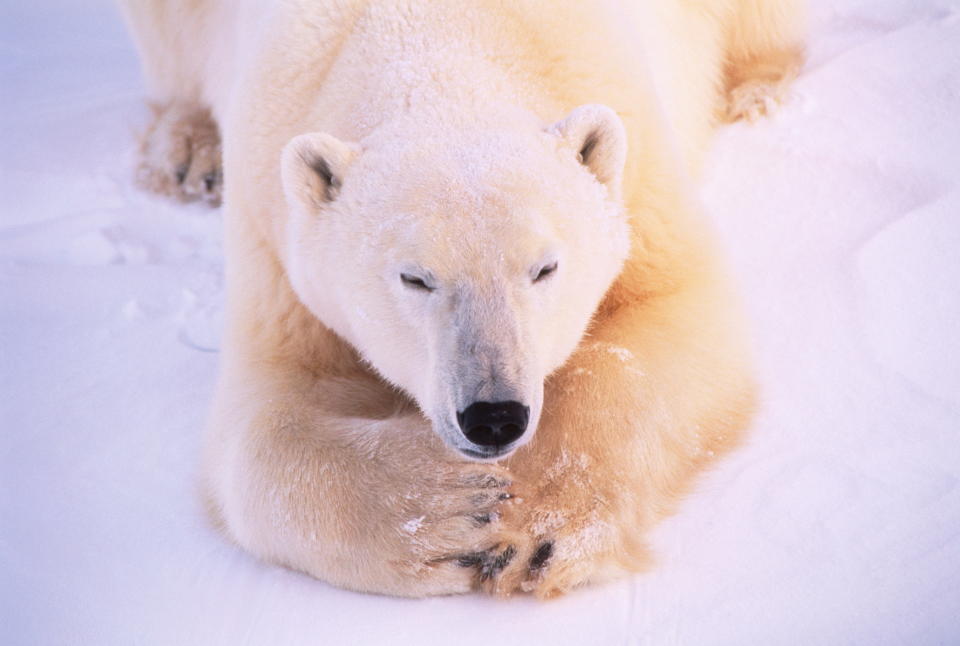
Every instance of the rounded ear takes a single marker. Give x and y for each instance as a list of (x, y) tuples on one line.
[(312, 168), (597, 134)]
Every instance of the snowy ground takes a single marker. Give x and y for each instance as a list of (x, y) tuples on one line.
[(838, 523)]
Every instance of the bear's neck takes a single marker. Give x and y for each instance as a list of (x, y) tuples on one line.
[(431, 64)]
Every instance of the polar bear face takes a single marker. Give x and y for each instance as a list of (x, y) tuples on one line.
[(463, 264)]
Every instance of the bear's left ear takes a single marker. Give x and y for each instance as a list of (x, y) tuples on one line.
[(598, 137), (312, 168)]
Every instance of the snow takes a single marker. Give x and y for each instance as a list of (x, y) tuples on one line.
[(838, 522), (413, 525)]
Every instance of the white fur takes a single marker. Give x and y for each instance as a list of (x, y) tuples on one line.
[(446, 141), (476, 214)]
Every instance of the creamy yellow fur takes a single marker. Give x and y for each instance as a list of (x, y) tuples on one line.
[(312, 460)]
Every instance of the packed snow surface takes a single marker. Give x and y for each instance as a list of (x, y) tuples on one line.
[(838, 522)]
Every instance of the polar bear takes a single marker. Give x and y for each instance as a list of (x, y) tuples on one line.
[(478, 334)]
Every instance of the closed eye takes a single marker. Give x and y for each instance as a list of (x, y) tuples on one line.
[(415, 282), (545, 271)]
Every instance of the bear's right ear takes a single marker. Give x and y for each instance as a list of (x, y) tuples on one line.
[(312, 169)]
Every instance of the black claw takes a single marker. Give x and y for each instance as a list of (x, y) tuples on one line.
[(493, 482), (479, 499), (541, 556), (491, 568), (181, 172), (470, 560), (210, 181)]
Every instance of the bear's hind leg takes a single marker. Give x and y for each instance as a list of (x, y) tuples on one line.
[(765, 52)]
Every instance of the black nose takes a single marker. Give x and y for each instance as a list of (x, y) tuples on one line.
[(494, 424)]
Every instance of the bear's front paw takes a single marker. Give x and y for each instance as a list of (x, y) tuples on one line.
[(180, 154), (454, 529), (562, 546)]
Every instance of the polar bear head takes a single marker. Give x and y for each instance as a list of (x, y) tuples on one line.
[(464, 263)]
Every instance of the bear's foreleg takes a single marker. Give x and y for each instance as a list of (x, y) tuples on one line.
[(656, 392), (374, 504), (179, 153)]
